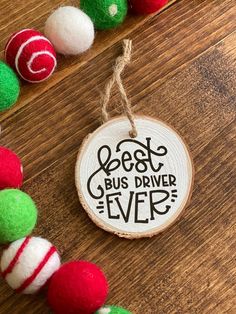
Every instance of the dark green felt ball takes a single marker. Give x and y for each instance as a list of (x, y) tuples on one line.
[(111, 309), (18, 215), (9, 87), (105, 14)]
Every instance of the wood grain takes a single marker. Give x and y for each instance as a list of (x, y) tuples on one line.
[(183, 72)]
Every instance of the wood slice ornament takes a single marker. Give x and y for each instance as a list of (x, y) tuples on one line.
[(133, 184)]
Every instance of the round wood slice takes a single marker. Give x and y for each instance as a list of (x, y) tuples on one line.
[(134, 187)]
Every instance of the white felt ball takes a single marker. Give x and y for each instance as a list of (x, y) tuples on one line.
[(28, 263), (70, 30)]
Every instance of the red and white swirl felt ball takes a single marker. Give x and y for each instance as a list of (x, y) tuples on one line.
[(146, 6), (31, 54)]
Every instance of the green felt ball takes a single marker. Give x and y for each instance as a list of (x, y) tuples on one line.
[(105, 14), (9, 87), (112, 310), (18, 215)]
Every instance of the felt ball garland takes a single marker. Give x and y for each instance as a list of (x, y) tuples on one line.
[(69, 31), (29, 263)]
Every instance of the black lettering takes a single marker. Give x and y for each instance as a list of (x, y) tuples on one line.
[(164, 180), (124, 182), (108, 184), (109, 202), (157, 180), (172, 180), (138, 181), (141, 165), (137, 202), (143, 160), (146, 182), (153, 209), (107, 166), (125, 216), (116, 183), (125, 160)]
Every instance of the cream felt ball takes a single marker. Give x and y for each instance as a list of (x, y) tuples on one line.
[(11, 170), (78, 287), (18, 215), (27, 264), (31, 54), (70, 30)]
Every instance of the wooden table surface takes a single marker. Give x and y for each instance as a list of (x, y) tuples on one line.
[(183, 72)]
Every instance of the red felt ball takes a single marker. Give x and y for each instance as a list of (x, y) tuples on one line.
[(77, 287), (146, 6), (31, 54), (11, 170)]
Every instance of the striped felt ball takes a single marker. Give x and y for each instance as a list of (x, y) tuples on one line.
[(31, 54), (28, 263)]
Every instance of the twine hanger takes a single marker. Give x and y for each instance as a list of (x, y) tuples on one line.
[(120, 64)]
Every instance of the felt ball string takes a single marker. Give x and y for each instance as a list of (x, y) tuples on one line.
[(29, 263)]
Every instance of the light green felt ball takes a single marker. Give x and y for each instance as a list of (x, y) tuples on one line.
[(111, 309), (105, 14), (9, 87), (18, 215)]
